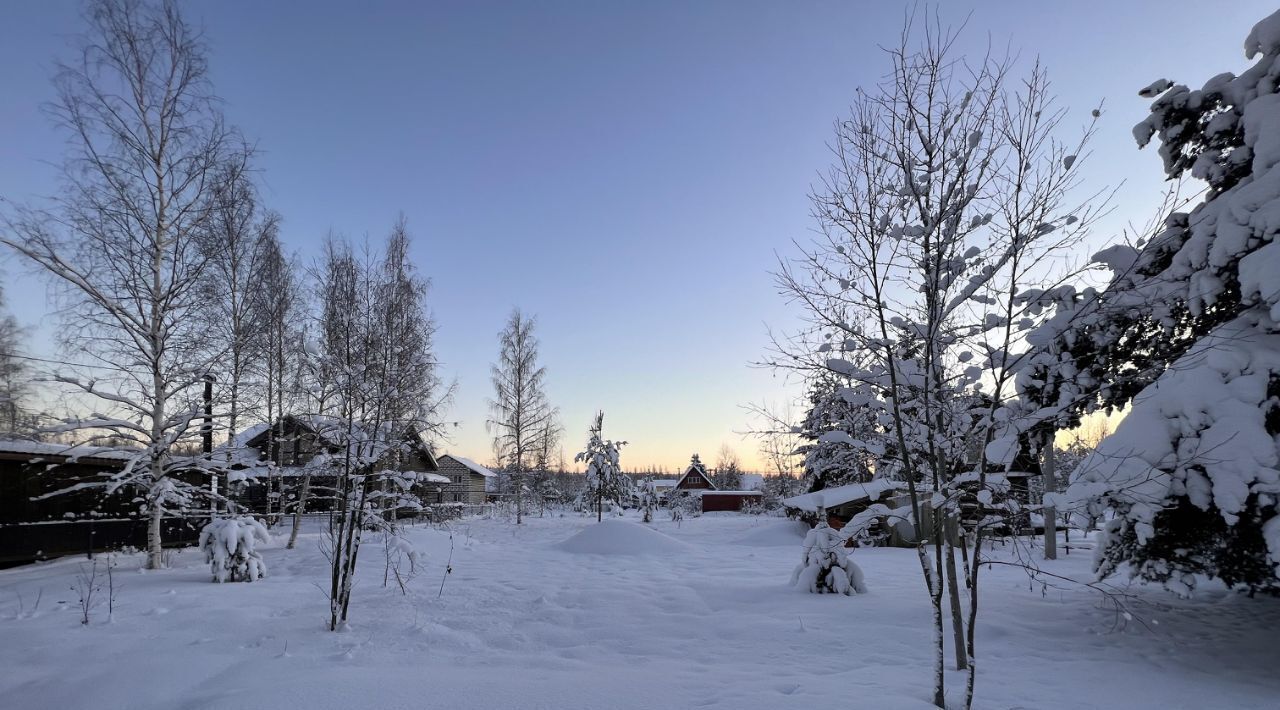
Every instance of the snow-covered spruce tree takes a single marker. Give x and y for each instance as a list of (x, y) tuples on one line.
[(948, 198), (830, 459), (604, 476), (648, 501), (519, 410), (826, 567), (230, 547), (1187, 333), (147, 144)]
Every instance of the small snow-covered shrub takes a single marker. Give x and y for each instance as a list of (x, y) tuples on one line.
[(826, 568), (230, 548), (684, 505)]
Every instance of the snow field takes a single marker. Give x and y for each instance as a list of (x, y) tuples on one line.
[(709, 621)]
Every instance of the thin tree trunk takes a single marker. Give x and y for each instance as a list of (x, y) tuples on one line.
[(355, 532), (340, 535), (957, 616), (971, 642), (519, 497), (935, 598), (299, 510), (1049, 512)]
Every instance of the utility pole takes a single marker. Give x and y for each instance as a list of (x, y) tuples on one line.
[(206, 443)]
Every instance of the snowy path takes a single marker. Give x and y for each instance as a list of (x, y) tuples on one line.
[(708, 622)]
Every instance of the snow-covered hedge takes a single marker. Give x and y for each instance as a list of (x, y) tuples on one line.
[(230, 548)]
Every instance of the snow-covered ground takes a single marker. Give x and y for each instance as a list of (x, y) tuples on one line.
[(559, 614)]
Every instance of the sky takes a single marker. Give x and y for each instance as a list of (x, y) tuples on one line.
[(628, 172)]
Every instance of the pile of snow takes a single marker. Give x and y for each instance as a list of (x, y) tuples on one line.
[(619, 537), (789, 532), (230, 548)]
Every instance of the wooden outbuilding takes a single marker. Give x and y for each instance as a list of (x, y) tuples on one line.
[(841, 503), (80, 520)]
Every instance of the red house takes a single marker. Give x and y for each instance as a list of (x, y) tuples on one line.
[(697, 482)]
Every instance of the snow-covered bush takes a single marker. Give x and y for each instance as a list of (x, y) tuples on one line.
[(230, 548), (648, 500), (826, 567), (683, 504)]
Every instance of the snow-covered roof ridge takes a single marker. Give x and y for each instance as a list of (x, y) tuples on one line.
[(243, 437), (828, 497), (472, 465), (374, 442), (71, 451)]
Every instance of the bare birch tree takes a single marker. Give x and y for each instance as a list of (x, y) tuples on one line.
[(147, 144), (13, 373), (235, 281), (779, 438), (949, 200), (519, 409), (274, 305), (548, 447), (386, 393)]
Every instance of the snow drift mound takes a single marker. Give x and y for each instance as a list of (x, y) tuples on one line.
[(617, 537), (786, 533)]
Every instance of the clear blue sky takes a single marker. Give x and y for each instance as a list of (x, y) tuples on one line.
[(626, 171)]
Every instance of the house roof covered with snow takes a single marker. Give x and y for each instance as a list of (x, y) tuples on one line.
[(423, 476), (471, 465), (700, 492), (831, 497), (696, 468), (69, 452), (373, 442)]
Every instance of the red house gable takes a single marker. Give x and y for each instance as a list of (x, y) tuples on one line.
[(695, 478)]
